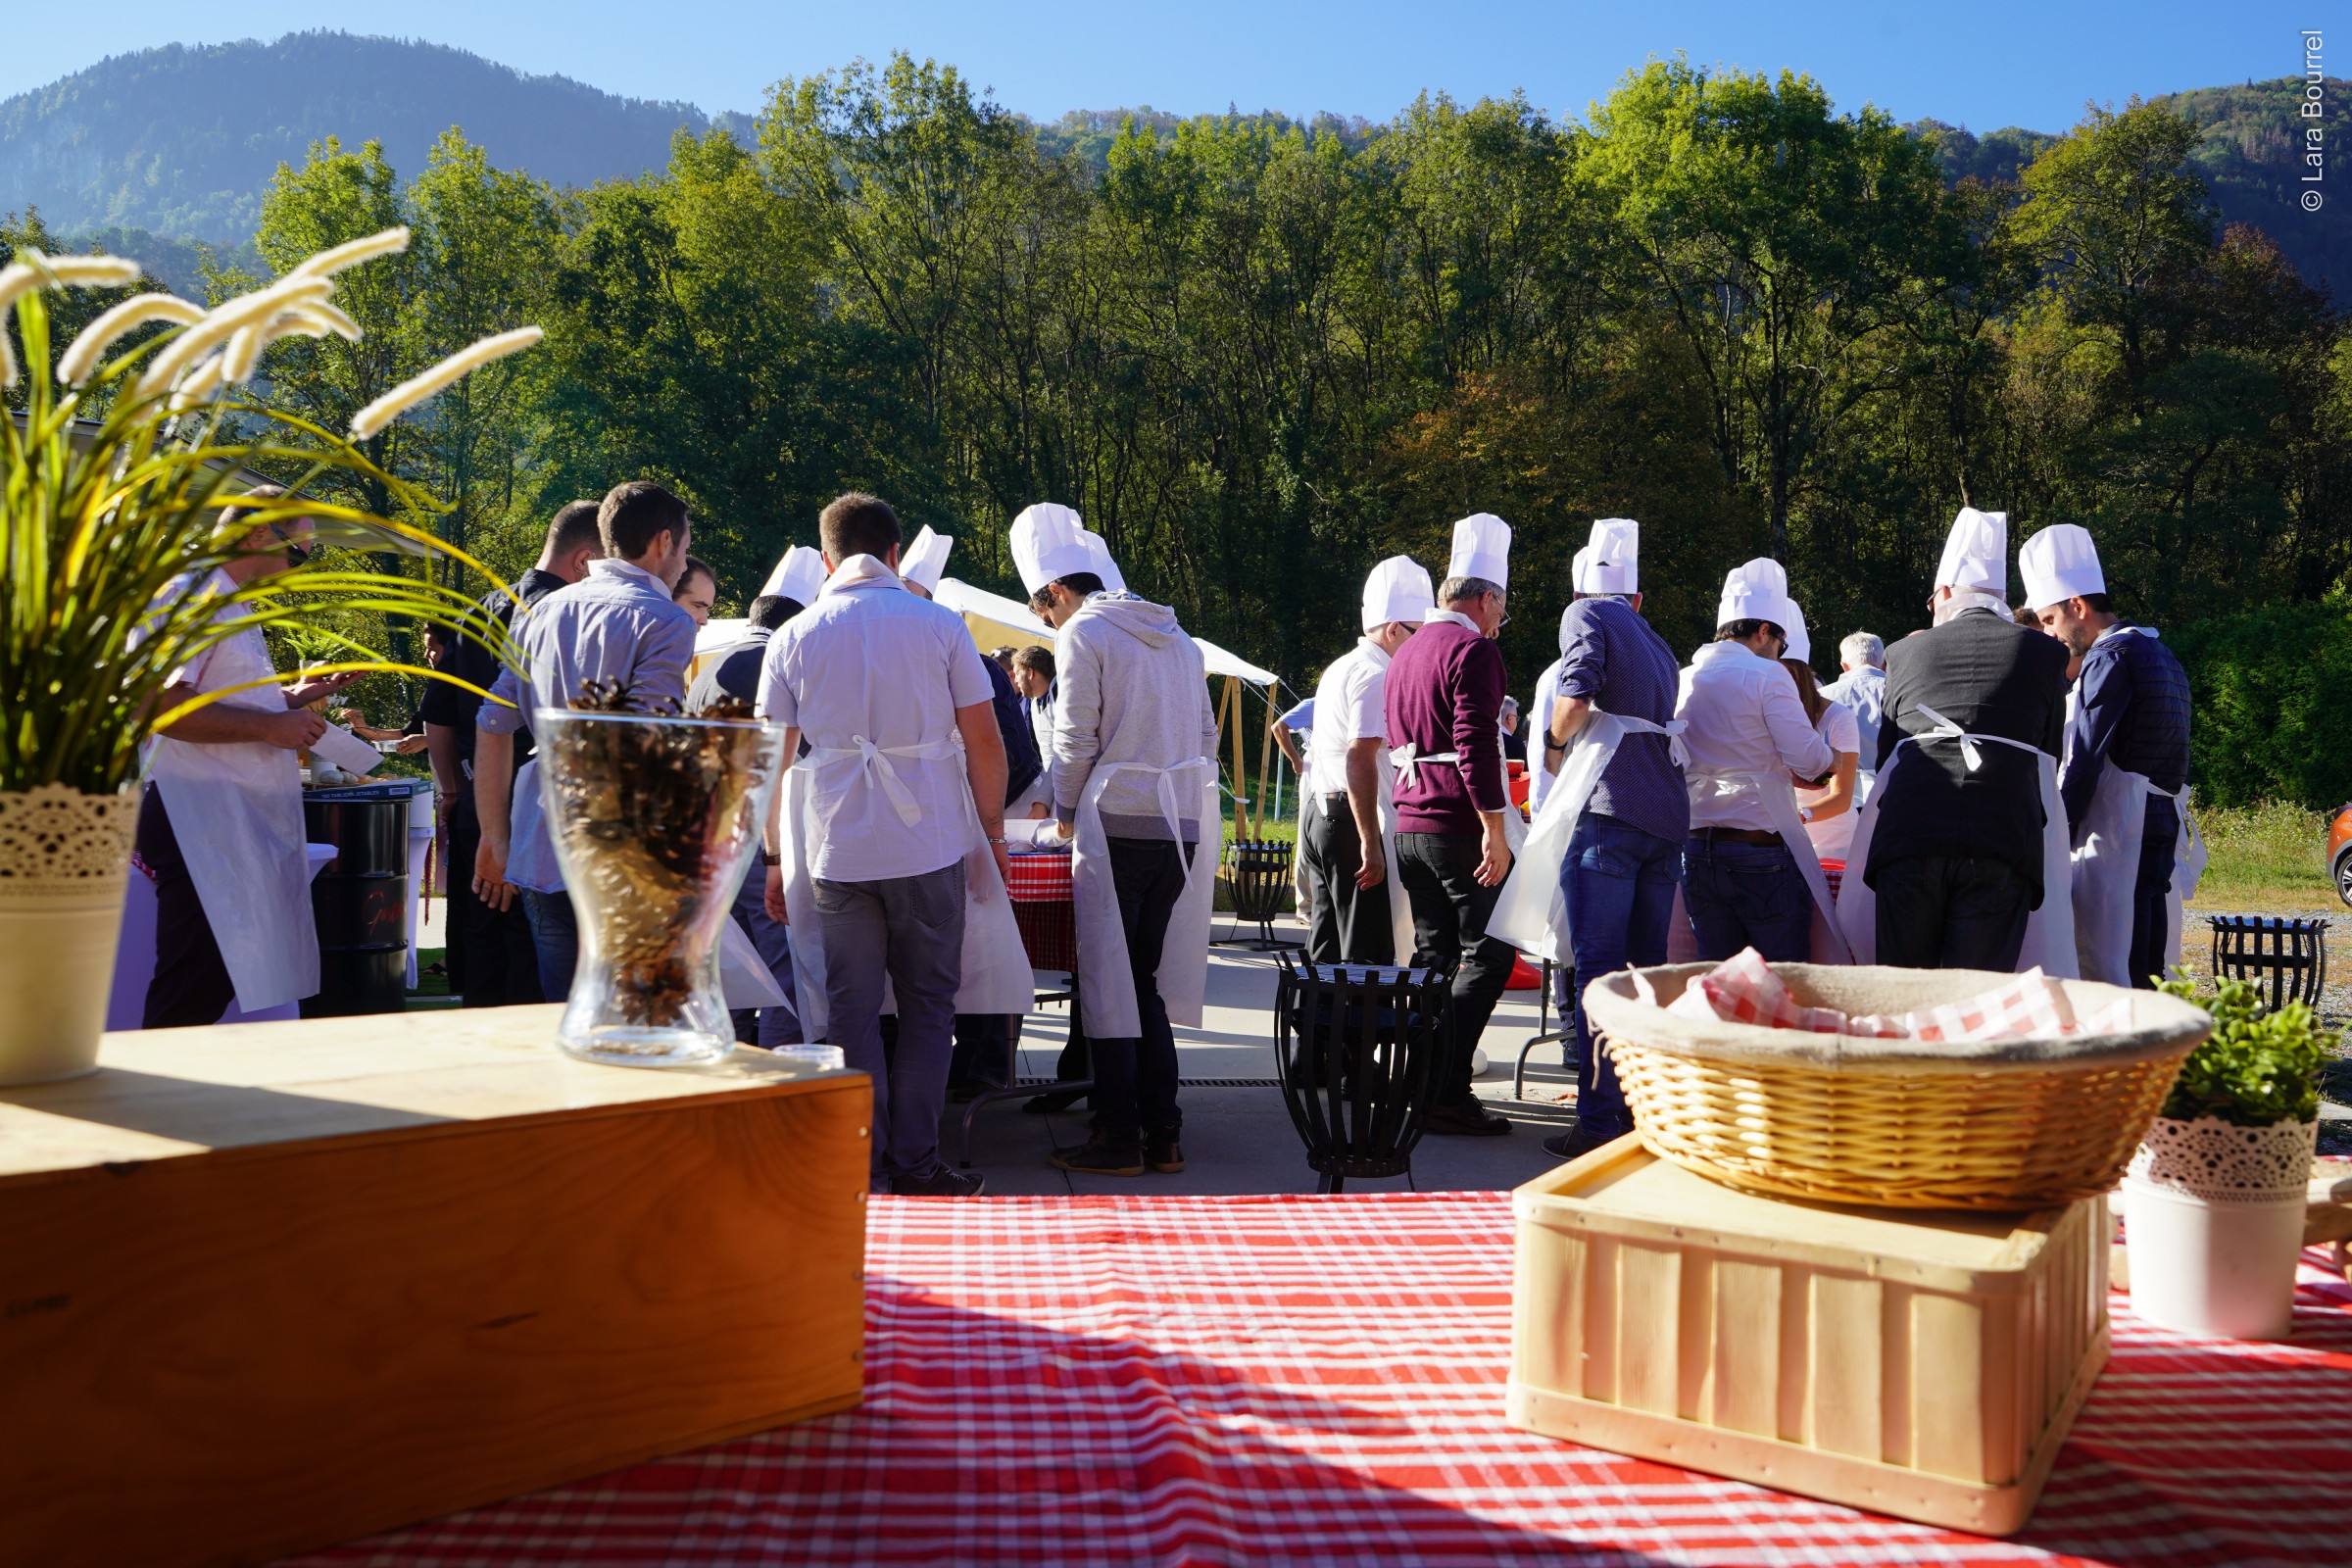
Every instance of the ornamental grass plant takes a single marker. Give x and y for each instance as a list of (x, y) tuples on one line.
[(116, 478)]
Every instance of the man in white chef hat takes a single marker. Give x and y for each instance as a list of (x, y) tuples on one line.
[(1348, 824), (2125, 779), (1744, 862), (1135, 784), (1964, 837), (1444, 702), (1594, 887)]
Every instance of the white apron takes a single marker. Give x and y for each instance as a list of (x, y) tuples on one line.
[(1531, 911), (996, 976), (1105, 985), (1407, 761), (2049, 932), (237, 810), (2106, 870)]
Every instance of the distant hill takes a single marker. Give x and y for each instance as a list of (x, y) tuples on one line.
[(2250, 158), (181, 141)]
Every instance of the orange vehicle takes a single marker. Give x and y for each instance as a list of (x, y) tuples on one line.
[(2339, 852)]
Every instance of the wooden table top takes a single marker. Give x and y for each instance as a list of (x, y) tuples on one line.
[(167, 1092)]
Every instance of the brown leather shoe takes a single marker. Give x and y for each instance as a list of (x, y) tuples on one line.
[(1469, 1119)]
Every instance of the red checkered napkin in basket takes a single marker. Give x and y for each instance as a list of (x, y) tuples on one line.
[(1744, 990)]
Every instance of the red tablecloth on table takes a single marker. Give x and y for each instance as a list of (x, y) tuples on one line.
[(1045, 908), (1117, 1382)]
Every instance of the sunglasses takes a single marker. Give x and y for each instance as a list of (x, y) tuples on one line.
[(298, 552)]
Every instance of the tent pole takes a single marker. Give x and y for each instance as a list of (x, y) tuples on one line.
[(1240, 761), (1265, 756)]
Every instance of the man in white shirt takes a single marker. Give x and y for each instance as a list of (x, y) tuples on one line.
[(882, 682), (1747, 733), (1345, 780), (220, 825)]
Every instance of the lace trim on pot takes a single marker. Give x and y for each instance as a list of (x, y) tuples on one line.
[(2225, 1162), (58, 834)]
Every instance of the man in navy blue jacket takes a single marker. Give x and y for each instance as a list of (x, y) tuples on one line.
[(2130, 709)]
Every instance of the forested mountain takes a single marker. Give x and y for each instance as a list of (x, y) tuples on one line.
[(181, 141), (2249, 153)]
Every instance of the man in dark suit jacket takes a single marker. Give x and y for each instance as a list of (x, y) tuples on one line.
[(1957, 860)]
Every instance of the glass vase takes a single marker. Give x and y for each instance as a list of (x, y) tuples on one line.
[(655, 821)]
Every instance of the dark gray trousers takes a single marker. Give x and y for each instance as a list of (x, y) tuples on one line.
[(912, 929)]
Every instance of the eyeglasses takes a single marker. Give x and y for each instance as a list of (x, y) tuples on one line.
[(298, 552)]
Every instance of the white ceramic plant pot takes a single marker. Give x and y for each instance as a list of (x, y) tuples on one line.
[(2212, 1224), (64, 861)]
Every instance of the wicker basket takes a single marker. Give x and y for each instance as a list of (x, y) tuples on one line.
[(1893, 1123)]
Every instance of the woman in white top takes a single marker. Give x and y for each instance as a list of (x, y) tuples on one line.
[(1829, 809)]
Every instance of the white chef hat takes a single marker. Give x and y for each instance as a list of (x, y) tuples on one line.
[(2058, 564), (1048, 543), (1755, 590), (925, 560), (1399, 589), (800, 575), (1609, 563), (1482, 547), (1104, 568), (1801, 644), (1975, 553)]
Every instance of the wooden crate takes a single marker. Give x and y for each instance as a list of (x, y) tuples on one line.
[(1923, 1364), (271, 1285)]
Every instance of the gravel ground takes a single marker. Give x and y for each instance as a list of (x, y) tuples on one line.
[(2335, 1003)]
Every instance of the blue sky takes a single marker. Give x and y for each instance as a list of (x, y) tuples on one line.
[(1982, 62)]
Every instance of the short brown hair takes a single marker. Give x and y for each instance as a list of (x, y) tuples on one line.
[(857, 524), (636, 513), (574, 527), (1036, 659)]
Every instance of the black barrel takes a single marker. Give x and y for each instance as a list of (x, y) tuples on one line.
[(360, 899)]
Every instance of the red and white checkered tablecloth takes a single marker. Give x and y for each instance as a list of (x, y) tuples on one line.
[(1045, 908), (1114, 1381)]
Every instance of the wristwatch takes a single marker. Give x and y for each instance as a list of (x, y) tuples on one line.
[(768, 857)]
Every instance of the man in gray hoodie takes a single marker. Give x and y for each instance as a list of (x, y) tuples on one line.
[(1132, 692)]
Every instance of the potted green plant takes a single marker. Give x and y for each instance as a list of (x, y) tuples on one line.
[(114, 474), (2214, 1201)]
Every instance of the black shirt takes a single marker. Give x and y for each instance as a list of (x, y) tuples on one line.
[(454, 705), (731, 673)]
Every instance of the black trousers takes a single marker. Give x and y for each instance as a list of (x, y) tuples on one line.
[(1940, 911), (191, 984), (497, 963), (2151, 896), (1345, 923), (1135, 1079), (1439, 874)]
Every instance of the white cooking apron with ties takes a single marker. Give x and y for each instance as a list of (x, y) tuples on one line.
[(2106, 871), (2049, 931), (237, 810), (1408, 762), (1531, 911), (996, 975), (1106, 984)]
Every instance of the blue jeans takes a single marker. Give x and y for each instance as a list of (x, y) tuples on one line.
[(555, 935), (1747, 896), (1619, 882), (779, 1025)]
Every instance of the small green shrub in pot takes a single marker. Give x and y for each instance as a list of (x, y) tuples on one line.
[(2258, 1067), (2212, 1203)]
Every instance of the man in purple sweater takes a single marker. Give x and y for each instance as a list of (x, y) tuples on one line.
[(1444, 709)]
